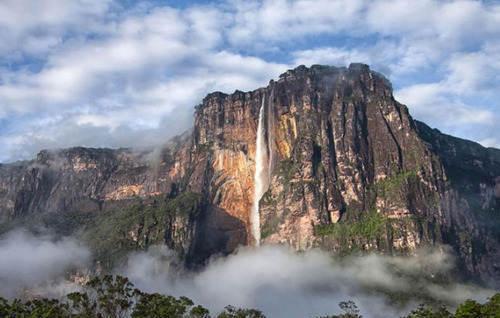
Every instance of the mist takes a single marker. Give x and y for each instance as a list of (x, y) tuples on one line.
[(68, 134), (284, 283), (275, 279), (38, 265)]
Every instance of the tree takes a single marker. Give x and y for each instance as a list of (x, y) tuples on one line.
[(46, 308), (4, 307), (81, 306), (428, 312), (113, 295), (349, 308), (36, 308), (233, 312), (469, 309), (116, 297), (492, 308), (159, 306)]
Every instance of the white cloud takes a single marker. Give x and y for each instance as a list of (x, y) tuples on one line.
[(380, 56), (490, 142), (284, 283), (449, 22), (475, 72), (331, 56), (99, 65), (147, 63), (27, 261), (283, 20), (35, 26), (464, 98), (433, 103)]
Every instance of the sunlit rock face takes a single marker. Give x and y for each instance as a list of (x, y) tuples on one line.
[(347, 168), (225, 134)]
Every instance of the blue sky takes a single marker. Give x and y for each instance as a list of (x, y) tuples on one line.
[(107, 73)]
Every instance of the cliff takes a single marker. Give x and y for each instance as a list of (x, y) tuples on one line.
[(346, 169)]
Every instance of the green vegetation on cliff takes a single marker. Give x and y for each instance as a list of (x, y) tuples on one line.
[(370, 226), (391, 187), (137, 225)]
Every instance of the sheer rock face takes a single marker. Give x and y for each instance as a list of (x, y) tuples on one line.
[(225, 134), (342, 148), (332, 133), (349, 170)]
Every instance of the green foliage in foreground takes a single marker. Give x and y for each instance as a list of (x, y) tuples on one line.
[(468, 309), (116, 297)]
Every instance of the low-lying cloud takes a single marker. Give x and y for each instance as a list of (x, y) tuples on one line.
[(283, 283), (37, 264), (274, 279)]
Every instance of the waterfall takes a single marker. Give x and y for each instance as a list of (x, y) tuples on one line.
[(261, 177), (270, 136)]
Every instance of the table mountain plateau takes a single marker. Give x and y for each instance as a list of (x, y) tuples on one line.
[(342, 166)]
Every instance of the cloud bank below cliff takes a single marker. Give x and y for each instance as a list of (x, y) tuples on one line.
[(274, 279), (283, 283)]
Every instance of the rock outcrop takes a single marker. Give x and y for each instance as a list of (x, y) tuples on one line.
[(349, 170)]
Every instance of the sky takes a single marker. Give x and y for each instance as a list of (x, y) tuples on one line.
[(109, 73)]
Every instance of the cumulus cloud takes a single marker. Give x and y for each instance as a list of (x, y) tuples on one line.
[(443, 56), (284, 283), (140, 68), (283, 20), (439, 23), (331, 56), (106, 67), (432, 101), (463, 102), (471, 73), (37, 263), (34, 27)]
